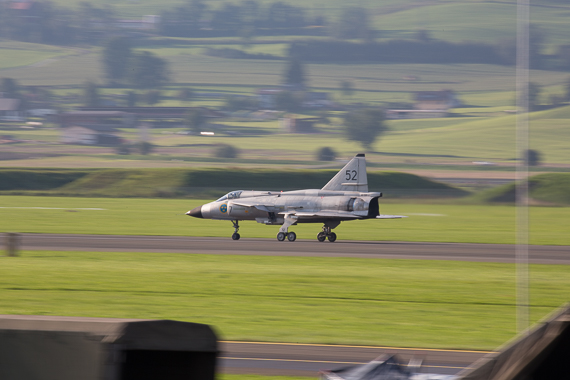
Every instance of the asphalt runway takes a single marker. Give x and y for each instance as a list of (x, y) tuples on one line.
[(307, 359), (309, 248)]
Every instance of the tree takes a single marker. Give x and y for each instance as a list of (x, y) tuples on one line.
[(131, 99), (346, 88), (9, 87), (226, 151), (195, 119), (144, 147), (567, 97), (237, 103), (91, 96), (294, 73), (532, 157), (365, 126), (352, 23), (287, 101), (326, 154), (116, 56), (533, 96), (185, 94), (147, 70), (152, 97)]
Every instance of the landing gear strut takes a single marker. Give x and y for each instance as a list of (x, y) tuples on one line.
[(284, 230), (235, 236), (327, 233)]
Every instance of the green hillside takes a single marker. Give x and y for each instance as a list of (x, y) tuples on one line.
[(201, 182), (488, 139), (452, 20), (550, 188)]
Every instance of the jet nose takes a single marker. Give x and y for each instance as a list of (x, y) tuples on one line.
[(195, 212)]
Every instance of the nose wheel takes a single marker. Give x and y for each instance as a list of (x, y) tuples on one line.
[(235, 235), (325, 234)]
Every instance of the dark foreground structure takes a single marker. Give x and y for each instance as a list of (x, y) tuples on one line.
[(542, 353), (69, 348)]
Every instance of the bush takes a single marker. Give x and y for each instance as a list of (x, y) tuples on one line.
[(123, 149), (144, 147), (226, 151), (532, 157), (326, 154)]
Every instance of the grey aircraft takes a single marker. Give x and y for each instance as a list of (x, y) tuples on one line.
[(344, 197)]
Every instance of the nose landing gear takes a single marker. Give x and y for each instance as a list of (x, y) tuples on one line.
[(235, 236)]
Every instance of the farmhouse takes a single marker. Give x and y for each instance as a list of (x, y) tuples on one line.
[(427, 104), (93, 127), (436, 100), (10, 110)]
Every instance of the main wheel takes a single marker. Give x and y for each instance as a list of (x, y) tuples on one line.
[(235, 236), (291, 236), (332, 237), (321, 237), (281, 236)]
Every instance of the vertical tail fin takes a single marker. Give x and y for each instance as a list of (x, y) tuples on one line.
[(352, 177)]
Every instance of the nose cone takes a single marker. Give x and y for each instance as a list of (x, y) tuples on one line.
[(195, 212)]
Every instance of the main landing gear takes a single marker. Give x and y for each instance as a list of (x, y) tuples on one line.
[(327, 232), (291, 236), (235, 236), (284, 230)]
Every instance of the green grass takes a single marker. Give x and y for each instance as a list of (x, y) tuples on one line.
[(148, 183), (551, 188), (426, 222), (459, 140), (15, 54), (407, 303)]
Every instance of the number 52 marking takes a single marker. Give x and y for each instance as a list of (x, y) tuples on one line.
[(351, 175)]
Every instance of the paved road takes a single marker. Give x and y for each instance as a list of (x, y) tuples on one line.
[(309, 248), (307, 360)]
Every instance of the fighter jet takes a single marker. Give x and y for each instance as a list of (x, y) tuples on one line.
[(345, 197)]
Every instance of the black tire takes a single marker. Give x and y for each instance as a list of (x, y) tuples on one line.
[(321, 237), (332, 237), (235, 236), (281, 236), (291, 236)]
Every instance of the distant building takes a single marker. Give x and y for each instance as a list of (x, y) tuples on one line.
[(436, 100), (148, 22), (267, 97), (93, 127), (91, 135), (10, 110), (427, 104), (415, 114), (298, 125)]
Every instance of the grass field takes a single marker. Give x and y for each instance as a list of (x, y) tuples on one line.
[(426, 222), (437, 141), (406, 303)]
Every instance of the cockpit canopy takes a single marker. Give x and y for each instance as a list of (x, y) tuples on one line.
[(230, 195)]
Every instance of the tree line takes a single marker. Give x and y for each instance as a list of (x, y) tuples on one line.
[(404, 51), (45, 22)]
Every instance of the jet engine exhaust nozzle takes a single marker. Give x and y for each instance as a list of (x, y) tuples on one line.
[(195, 212)]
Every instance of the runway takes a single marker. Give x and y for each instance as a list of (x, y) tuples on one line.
[(309, 248), (308, 360)]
